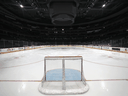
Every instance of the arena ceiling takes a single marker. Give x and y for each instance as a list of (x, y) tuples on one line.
[(63, 21)]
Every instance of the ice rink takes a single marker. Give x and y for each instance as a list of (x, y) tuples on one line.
[(106, 72)]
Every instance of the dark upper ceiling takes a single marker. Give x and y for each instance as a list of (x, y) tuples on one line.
[(93, 20)]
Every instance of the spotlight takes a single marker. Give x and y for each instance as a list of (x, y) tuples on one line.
[(21, 6), (103, 5)]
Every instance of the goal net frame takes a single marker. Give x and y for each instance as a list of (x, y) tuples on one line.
[(64, 90)]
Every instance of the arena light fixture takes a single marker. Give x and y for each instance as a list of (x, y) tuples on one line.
[(21, 6), (103, 5)]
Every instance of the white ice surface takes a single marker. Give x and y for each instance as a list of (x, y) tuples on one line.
[(98, 64)]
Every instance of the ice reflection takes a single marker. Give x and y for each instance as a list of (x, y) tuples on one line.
[(22, 87), (103, 86)]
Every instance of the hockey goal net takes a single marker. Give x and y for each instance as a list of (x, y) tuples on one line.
[(63, 75)]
